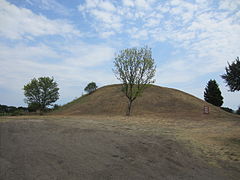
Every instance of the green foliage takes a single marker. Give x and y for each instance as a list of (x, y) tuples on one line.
[(12, 110), (40, 93), (135, 68), (33, 107), (56, 107), (91, 87), (232, 76), (3, 108), (212, 93), (238, 111), (18, 112), (227, 109)]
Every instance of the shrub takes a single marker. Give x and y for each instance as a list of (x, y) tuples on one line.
[(91, 87), (238, 111), (227, 109)]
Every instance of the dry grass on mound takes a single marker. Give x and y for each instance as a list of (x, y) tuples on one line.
[(155, 101)]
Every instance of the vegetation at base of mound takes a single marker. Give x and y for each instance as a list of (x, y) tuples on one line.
[(227, 109), (12, 110)]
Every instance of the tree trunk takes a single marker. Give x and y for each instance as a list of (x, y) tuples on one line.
[(129, 108)]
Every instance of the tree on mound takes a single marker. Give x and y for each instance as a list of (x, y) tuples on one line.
[(135, 69), (232, 76), (41, 92), (91, 87), (213, 94)]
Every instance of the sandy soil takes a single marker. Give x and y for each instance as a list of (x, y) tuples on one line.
[(84, 148)]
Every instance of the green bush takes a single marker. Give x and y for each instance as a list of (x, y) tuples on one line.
[(227, 109), (18, 113), (91, 87), (238, 111)]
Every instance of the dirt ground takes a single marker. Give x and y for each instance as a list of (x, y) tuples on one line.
[(60, 148)]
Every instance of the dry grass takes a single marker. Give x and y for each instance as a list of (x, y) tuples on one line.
[(217, 139), (214, 138), (155, 101)]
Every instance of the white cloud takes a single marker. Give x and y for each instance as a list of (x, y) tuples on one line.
[(109, 21), (128, 3), (152, 22), (31, 53), (107, 34), (175, 2), (70, 56), (176, 71), (207, 33), (84, 55), (75, 64), (18, 23), (143, 4), (229, 5), (106, 17), (106, 5), (50, 5), (204, 32), (141, 35)]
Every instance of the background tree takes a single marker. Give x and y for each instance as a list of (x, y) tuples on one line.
[(91, 87), (238, 111), (232, 76), (41, 92), (135, 69), (213, 94)]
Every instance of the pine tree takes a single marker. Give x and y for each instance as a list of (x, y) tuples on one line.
[(212, 93)]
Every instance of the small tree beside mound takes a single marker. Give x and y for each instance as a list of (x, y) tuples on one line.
[(91, 87), (41, 93), (213, 94), (135, 68)]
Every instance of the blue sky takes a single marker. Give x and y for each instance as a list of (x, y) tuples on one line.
[(75, 42)]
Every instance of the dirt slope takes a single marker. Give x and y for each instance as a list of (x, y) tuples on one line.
[(155, 101), (79, 149)]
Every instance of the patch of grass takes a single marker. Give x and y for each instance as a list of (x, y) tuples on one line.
[(3, 119), (235, 141)]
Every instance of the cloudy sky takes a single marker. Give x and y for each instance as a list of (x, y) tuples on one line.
[(75, 42)]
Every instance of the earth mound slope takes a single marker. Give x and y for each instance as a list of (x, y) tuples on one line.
[(155, 100)]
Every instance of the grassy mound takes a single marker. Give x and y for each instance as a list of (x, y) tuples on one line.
[(155, 101)]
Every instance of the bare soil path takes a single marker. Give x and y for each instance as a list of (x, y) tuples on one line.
[(79, 148)]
